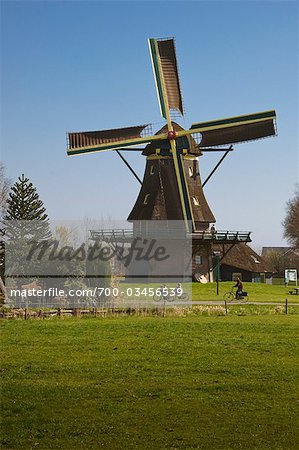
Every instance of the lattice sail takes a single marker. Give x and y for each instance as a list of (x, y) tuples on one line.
[(94, 138), (237, 129), (165, 69)]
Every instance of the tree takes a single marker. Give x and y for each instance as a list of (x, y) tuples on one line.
[(26, 213), (25, 221), (4, 188), (69, 270), (24, 202), (291, 221), (278, 261)]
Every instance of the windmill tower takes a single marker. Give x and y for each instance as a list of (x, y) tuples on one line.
[(172, 188)]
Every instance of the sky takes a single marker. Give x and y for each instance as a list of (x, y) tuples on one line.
[(77, 66)]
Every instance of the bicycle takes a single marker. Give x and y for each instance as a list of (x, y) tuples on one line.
[(170, 298), (231, 296)]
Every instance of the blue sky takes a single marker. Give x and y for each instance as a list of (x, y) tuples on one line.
[(73, 66)]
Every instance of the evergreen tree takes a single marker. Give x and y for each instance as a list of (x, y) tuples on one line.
[(24, 204), (25, 222)]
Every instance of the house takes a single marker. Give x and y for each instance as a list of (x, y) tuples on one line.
[(242, 261)]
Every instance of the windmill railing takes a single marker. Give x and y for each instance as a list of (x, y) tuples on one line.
[(112, 235), (223, 236), (126, 235)]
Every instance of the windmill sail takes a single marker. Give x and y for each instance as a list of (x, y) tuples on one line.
[(90, 138), (236, 129), (166, 75), (93, 141)]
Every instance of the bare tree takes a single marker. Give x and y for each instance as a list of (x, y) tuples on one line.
[(4, 189), (291, 221), (278, 261)]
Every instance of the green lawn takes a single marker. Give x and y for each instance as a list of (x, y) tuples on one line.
[(150, 383), (258, 292)]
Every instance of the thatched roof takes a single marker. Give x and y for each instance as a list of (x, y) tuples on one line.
[(243, 257)]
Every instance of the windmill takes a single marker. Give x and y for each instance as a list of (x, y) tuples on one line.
[(171, 188)]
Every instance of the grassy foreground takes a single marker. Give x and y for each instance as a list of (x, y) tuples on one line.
[(150, 383)]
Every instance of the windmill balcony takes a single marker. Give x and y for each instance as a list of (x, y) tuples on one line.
[(127, 235)]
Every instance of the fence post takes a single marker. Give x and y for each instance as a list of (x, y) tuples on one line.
[(226, 311), (26, 313), (286, 308), (164, 308)]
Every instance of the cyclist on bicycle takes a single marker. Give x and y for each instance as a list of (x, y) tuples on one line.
[(239, 286), (164, 291)]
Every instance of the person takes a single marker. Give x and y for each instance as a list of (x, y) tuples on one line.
[(164, 291), (239, 286), (213, 230)]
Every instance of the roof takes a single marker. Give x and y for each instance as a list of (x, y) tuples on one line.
[(243, 257)]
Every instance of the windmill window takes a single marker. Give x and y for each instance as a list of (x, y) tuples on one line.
[(190, 168), (152, 171), (195, 201), (146, 198), (198, 260)]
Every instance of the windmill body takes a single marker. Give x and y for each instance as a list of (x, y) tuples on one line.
[(172, 189), (159, 197)]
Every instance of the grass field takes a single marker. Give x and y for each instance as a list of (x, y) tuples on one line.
[(258, 292), (150, 383)]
